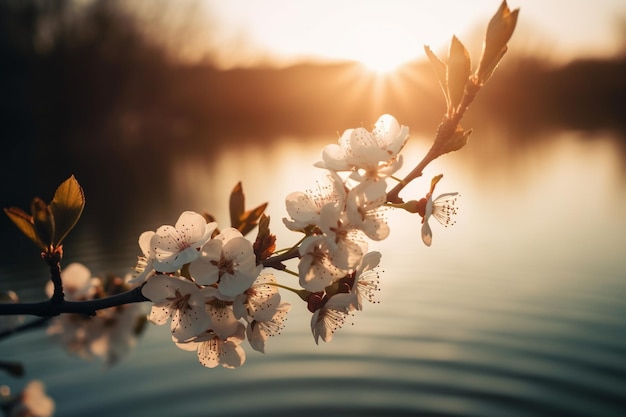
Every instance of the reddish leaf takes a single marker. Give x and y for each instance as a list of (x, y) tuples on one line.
[(265, 243), (25, 223), (236, 205), (66, 207)]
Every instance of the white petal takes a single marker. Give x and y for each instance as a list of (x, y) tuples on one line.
[(263, 309), (228, 234), (160, 314), (35, 401), (240, 250), (256, 337), (370, 261), (176, 261), (159, 288), (348, 254), (375, 228), (390, 134), (76, 279), (331, 316), (194, 227), (232, 285), (145, 244), (208, 352), (189, 346), (366, 153), (302, 209), (259, 331), (427, 234), (232, 355), (223, 320), (316, 274), (335, 158), (188, 323), (203, 271)]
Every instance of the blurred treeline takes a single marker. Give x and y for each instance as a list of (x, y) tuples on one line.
[(97, 92)]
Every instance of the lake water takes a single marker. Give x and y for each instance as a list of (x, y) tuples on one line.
[(519, 309)]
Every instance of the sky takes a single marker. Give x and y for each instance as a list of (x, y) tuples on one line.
[(386, 33)]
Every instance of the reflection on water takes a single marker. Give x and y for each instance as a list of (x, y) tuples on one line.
[(517, 310)]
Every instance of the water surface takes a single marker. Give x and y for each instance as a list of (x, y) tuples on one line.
[(516, 310)]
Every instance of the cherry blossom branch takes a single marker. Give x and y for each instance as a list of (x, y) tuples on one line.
[(209, 284), (51, 308), (55, 306), (446, 140), (33, 324), (276, 261)]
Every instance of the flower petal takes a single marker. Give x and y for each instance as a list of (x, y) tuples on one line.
[(427, 234), (160, 314), (190, 322)]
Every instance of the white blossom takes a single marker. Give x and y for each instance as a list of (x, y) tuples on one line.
[(317, 268), (346, 246), (441, 208), (175, 246), (213, 351), (33, 402), (364, 209), (178, 299), (368, 155), (227, 260), (304, 207), (365, 283), (331, 316), (258, 331)]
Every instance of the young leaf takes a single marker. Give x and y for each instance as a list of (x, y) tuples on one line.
[(66, 207), (441, 71), (236, 205), (244, 221), (265, 243), (499, 31), (459, 69), (43, 221), (249, 219), (25, 223)]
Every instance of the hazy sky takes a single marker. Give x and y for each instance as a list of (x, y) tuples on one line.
[(389, 32)]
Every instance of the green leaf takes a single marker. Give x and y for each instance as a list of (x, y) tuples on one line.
[(25, 223), (459, 69), (66, 207), (441, 71)]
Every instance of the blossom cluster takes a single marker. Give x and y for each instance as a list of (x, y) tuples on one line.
[(213, 287), (210, 288), (335, 265), (111, 333)]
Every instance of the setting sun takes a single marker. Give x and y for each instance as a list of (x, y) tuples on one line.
[(380, 35), (380, 50)]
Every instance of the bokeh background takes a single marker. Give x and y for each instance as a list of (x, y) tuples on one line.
[(158, 107)]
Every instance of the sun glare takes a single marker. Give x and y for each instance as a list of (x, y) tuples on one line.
[(380, 56), (381, 47)]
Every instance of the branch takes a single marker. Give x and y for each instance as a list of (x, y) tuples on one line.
[(443, 140), (276, 262), (89, 307), (33, 324)]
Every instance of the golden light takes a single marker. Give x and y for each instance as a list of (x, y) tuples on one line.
[(382, 35), (379, 52)]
